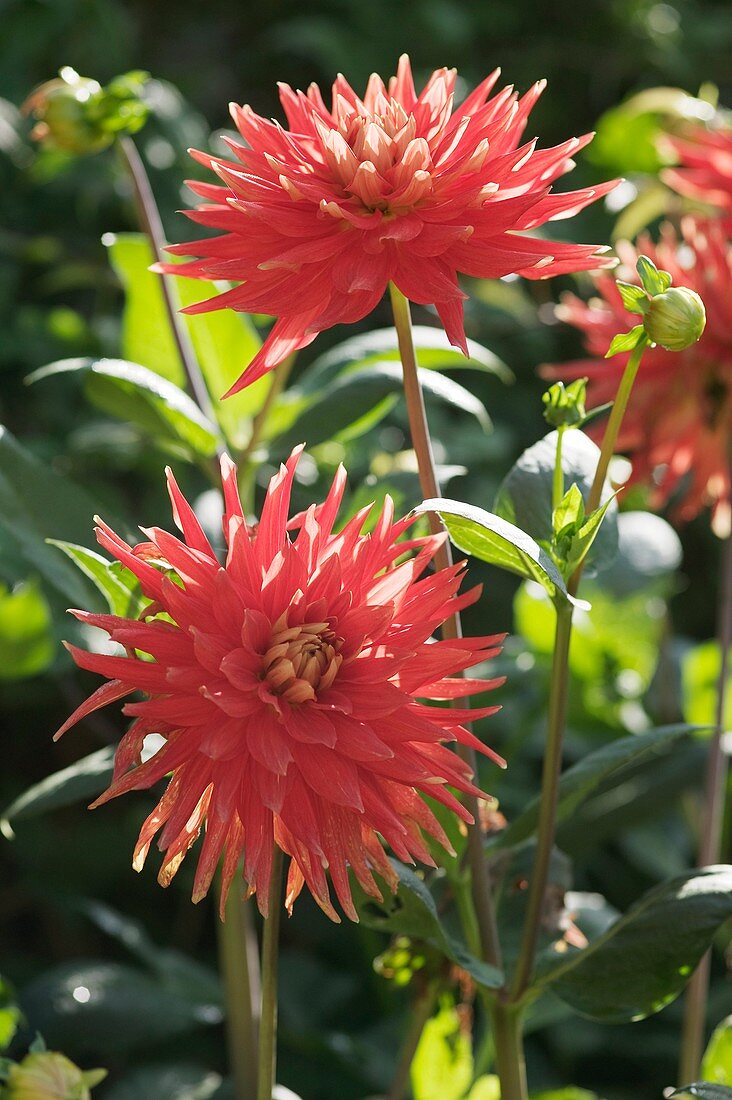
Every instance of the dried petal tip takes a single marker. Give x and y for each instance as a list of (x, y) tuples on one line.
[(675, 319)]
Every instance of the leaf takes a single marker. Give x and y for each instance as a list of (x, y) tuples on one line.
[(159, 408), (434, 352), (648, 551), (625, 341), (180, 1080), (86, 1006), (10, 1015), (26, 640), (525, 494), (644, 960), (717, 1061), (412, 911), (700, 672), (581, 542), (705, 1090), (634, 297), (225, 341), (87, 778), (492, 539), (37, 503), (607, 765), (351, 399), (442, 1067), (118, 585), (571, 1092), (486, 1088), (654, 280), (569, 513)]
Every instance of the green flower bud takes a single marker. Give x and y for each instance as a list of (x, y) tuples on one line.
[(63, 109), (77, 116), (675, 319), (46, 1075), (564, 406)]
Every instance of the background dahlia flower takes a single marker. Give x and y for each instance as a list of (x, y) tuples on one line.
[(318, 219), (679, 419), (704, 172), (289, 685)]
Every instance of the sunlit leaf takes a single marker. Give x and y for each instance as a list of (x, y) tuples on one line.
[(26, 640), (442, 1068)]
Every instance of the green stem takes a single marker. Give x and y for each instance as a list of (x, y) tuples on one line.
[(151, 223), (549, 796), (239, 965), (422, 444), (507, 1027), (558, 480), (267, 1060), (692, 1042)]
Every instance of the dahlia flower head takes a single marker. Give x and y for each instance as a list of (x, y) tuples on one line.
[(677, 429), (704, 172), (291, 685), (316, 220)]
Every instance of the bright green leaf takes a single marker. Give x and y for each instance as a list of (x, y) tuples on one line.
[(119, 586), (26, 639), (625, 341), (717, 1061), (494, 540), (655, 281), (634, 297), (442, 1068), (569, 513), (486, 1088)]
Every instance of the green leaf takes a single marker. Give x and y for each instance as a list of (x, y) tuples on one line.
[(10, 1015), (524, 497), (225, 341), (571, 1092), (412, 912), (581, 542), (85, 779), (569, 513), (705, 1090), (717, 1061), (634, 297), (180, 1080), (158, 407), (605, 766), (36, 503), (434, 352), (26, 639), (700, 671), (654, 280), (486, 1088), (625, 341), (118, 585), (442, 1068), (494, 540), (87, 1005), (649, 550), (646, 958)]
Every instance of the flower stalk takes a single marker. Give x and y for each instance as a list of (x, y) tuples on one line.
[(267, 1059), (692, 1042), (430, 487), (239, 966), (152, 225)]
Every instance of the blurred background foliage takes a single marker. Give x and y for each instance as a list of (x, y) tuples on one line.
[(111, 969)]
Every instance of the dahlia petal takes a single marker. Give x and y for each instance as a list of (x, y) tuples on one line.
[(102, 697), (186, 519)]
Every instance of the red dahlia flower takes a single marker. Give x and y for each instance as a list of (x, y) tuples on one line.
[(318, 219), (289, 685), (677, 427), (705, 169)]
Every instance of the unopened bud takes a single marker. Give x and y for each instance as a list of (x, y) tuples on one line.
[(77, 116), (564, 406), (47, 1075), (675, 319)]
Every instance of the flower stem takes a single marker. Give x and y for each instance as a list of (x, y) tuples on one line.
[(506, 1022), (715, 786), (152, 225), (267, 1060), (239, 965), (422, 444), (558, 479), (549, 796)]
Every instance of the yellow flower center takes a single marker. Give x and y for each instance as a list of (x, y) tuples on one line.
[(301, 660)]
